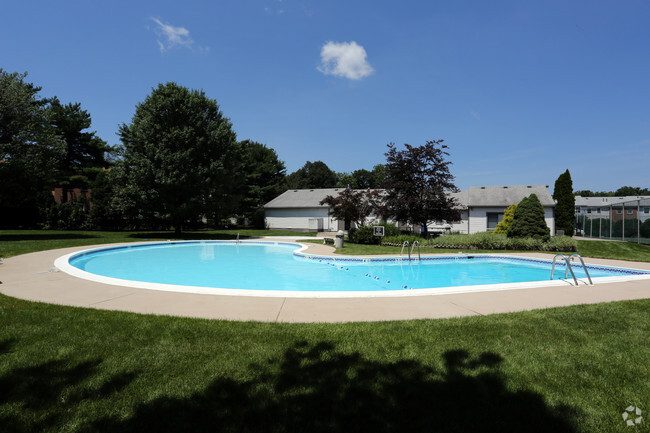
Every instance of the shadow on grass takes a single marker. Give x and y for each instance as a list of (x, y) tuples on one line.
[(315, 388), (45, 236), (186, 236), (46, 395)]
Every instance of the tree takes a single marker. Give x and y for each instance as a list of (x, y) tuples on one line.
[(181, 159), (264, 175), (506, 222), (84, 154), (313, 175), (529, 220), (378, 176), (566, 203), (352, 206), (29, 151), (417, 184), (631, 191)]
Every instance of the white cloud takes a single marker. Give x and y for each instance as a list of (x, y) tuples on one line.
[(344, 59), (170, 37)]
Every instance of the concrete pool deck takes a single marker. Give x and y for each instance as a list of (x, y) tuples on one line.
[(33, 277)]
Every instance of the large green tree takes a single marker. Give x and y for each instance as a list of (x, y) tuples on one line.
[(566, 203), (312, 175), (264, 179), (84, 154), (417, 184), (181, 160), (29, 151)]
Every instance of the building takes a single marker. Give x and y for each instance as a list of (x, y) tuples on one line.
[(481, 209), (614, 208)]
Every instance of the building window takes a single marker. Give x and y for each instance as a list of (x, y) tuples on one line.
[(630, 211), (619, 211), (646, 210), (588, 210), (493, 219), (604, 210)]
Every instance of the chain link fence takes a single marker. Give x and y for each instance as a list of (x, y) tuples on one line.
[(625, 221)]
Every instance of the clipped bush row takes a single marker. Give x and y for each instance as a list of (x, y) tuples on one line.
[(364, 234), (488, 241)]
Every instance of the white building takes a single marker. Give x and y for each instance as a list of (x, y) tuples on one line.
[(481, 209)]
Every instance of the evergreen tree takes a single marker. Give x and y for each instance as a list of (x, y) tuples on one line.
[(264, 179), (84, 154), (566, 203), (529, 220), (29, 151)]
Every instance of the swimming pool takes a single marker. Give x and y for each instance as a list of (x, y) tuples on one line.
[(283, 269)]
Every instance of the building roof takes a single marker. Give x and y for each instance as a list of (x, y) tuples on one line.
[(476, 196), (607, 201), (302, 198), (504, 196)]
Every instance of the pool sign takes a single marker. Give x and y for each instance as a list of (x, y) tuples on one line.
[(378, 231)]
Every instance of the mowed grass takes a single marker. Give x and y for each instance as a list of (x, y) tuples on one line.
[(586, 248), (614, 250), (569, 369), (14, 242)]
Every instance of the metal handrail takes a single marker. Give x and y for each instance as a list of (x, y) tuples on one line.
[(413, 248), (405, 244), (583, 266), (568, 266)]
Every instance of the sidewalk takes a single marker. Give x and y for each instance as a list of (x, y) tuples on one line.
[(33, 277)]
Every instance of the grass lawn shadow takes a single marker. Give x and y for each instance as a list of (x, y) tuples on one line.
[(43, 396), (317, 388), (185, 236), (45, 236)]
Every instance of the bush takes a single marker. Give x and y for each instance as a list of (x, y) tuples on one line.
[(364, 234), (508, 216), (488, 241), (529, 220)]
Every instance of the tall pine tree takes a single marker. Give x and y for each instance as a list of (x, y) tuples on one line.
[(566, 203)]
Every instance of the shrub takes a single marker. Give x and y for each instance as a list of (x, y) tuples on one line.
[(508, 216), (364, 234), (529, 220)]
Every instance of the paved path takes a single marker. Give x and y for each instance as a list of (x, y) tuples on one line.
[(33, 277)]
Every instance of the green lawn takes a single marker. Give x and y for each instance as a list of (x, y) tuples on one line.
[(563, 370), (572, 369), (586, 248), (14, 242)]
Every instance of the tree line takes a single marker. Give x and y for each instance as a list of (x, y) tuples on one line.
[(179, 164)]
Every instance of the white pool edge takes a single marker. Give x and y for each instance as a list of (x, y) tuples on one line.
[(62, 264)]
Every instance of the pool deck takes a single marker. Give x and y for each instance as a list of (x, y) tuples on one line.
[(33, 277)]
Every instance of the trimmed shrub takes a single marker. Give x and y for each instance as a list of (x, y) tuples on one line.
[(364, 234), (529, 220), (488, 241), (506, 222)]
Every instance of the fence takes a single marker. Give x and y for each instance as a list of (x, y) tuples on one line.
[(625, 221)]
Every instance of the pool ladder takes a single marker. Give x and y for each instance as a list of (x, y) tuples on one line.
[(567, 261), (410, 251)]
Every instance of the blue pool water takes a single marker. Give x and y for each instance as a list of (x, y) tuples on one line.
[(276, 266)]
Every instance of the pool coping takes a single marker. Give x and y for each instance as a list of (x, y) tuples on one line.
[(34, 277)]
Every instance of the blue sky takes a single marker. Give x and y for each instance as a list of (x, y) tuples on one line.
[(519, 90)]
